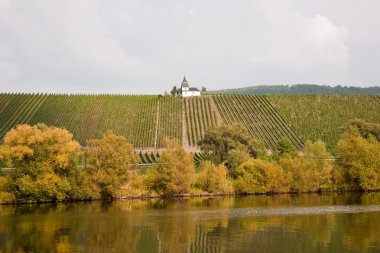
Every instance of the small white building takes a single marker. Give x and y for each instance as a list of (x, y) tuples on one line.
[(187, 91)]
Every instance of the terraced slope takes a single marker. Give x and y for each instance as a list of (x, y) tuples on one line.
[(89, 116), (321, 116), (146, 120), (17, 109), (200, 114), (259, 116), (143, 120), (169, 119)]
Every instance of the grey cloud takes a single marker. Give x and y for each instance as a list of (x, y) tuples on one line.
[(146, 46)]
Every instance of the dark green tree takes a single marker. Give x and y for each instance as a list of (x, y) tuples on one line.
[(223, 139), (174, 90), (285, 148)]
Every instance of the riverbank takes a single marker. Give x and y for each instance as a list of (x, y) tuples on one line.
[(190, 196)]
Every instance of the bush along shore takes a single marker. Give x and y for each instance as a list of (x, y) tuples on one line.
[(44, 167)]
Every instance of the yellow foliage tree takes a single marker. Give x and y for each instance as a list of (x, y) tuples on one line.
[(174, 172), (29, 147), (359, 160), (108, 161), (213, 178), (310, 172), (259, 176), (43, 159)]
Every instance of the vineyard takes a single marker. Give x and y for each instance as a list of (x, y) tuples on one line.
[(321, 116), (89, 117), (143, 120), (169, 119), (17, 109), (200, 114), (147, 158), (258, 115), (146, 119)]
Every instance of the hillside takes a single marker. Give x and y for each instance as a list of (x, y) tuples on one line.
[(300, 89), (321, 116), (200, 114), (145, 120), (259, 116)]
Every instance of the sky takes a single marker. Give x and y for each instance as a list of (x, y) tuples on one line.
[(147, 46)]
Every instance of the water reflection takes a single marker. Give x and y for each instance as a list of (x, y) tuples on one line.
[(281, 223)]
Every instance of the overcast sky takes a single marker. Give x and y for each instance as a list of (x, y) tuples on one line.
[(146, 46)]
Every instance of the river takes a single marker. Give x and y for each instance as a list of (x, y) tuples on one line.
[(279, 223)]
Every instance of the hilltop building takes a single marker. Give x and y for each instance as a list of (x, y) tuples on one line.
[(187, 91)]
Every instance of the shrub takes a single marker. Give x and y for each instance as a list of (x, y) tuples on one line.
[(223, 139), (285, 148), (213, 178), (174, 172), (359, 160), (5, 196), (136, 186), (234, 158), (259, 176), (42, 158), (108, 161), (310, 172)]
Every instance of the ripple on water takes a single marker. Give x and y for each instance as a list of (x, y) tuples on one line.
[(268, 211)]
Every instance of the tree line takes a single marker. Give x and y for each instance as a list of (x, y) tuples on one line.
[(44, 167), (301, 89)]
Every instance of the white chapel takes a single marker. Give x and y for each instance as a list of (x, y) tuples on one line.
[(187, 91)]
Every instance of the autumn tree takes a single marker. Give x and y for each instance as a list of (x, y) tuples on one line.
[(311, 171), (5, 195), (43, 162), (359, 160), (259, 176), (320, 162), (108, 161), (174, 172), (232, 138), (365, 128), (213, 178)]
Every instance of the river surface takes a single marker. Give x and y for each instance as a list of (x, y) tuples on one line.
[(280, 223)]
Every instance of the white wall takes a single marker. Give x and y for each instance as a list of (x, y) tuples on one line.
[(191, 94)]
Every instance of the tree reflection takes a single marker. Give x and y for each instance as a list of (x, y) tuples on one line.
[(190, 225)]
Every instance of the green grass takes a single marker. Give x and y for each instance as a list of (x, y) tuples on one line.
[(321, 116)]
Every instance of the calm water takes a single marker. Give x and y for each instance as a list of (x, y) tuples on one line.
[(283, 223)]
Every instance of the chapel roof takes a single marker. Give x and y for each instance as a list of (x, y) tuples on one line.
[(185, 83)]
